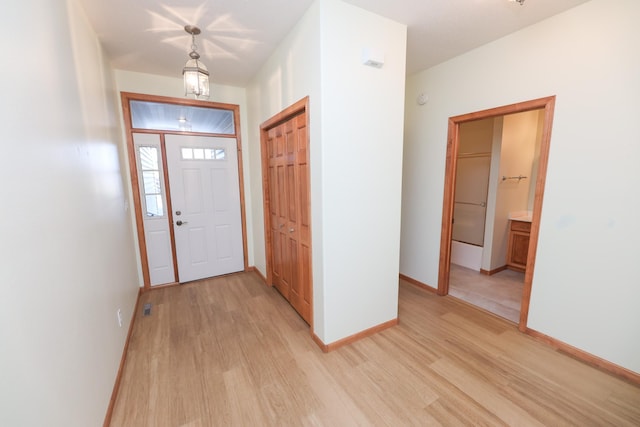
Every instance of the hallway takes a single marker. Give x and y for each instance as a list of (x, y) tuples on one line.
[(232, 351)]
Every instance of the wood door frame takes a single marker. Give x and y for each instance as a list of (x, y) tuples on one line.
[(125, 98), (299, 107), (548, 105)]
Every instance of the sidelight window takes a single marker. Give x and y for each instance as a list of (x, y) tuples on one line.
[(151, 180)]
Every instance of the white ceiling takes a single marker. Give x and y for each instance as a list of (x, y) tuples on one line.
[(239, 35)]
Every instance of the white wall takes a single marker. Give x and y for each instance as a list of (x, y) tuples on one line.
[(65, 238), (362, 141), (519, 134), (585, 286), (516, 148), (150, 84), (356, 116)]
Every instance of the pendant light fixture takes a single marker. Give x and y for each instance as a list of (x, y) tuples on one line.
[(196, 75)]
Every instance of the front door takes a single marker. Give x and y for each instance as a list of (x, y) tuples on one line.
[(205, 200)]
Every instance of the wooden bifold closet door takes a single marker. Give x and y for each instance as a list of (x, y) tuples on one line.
[(288, 176)]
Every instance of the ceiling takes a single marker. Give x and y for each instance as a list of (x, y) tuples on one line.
[(239, 35)]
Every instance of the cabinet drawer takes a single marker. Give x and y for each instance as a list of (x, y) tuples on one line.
[(521, 226)]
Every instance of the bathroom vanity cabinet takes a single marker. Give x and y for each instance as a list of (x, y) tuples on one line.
[(518, 245)]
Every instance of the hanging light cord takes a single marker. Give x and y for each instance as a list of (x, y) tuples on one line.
[(193, 54)]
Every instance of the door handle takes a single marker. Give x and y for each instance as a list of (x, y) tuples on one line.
[(291, 230), (180, 222)]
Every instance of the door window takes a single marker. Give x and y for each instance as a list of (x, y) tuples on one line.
[(195, 153), (151, 187)]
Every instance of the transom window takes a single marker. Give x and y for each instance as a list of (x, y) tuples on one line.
[(183, 118)]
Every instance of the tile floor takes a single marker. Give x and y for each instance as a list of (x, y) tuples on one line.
[(500, 293)]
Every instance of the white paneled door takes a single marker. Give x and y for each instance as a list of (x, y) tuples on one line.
[(205, 199)]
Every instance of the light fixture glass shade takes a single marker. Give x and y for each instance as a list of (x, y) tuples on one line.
[(196, 78)]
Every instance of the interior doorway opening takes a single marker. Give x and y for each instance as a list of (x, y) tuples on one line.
[(509, 206)]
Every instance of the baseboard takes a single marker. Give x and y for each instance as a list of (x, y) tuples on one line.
[(319, 343), (494, 271), (355, 337), (588, 358), (164, 285), (116, 386), (255, 270), (419, 284)]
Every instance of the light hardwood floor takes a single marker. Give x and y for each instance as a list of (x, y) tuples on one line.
[(231, 352), (500, 293)]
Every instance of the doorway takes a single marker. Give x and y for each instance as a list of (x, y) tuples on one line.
[(186, 171), (546, 105)]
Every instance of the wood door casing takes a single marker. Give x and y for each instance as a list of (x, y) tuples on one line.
[(548, 105), (285, 147), (126, 98)]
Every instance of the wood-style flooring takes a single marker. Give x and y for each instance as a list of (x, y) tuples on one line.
[(500, 293), (232, 352)]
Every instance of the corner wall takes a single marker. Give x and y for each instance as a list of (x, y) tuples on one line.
[(356, 158), (362, 143), (290, 74), (585, 288)]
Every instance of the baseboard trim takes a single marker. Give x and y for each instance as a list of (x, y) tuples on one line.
[(326, 348), (255, 270), (116, 385), (583, 356), (419, 284), (494, 271), (164, 285), (319, 343)]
